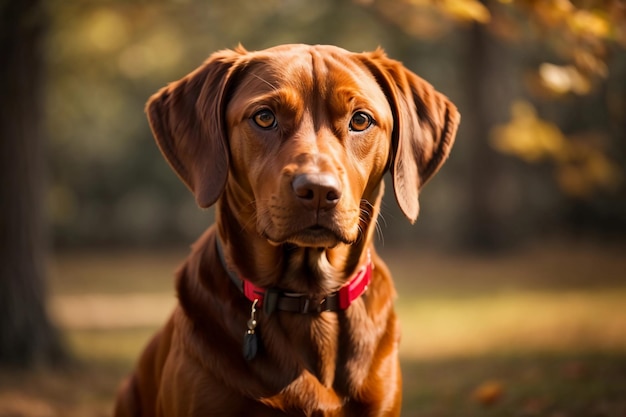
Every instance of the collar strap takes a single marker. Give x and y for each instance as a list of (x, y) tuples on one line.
[(272, 299)]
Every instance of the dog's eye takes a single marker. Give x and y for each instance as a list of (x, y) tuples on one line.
[(360, 121), (265, 119)]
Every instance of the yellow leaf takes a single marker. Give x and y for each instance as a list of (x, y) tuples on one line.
[(564, 79), (584, 22), (584, 169), (528, 136), (553, 12), (589, 62), (421, 3), (467, 10)]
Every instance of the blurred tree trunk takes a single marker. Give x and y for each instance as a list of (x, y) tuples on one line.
[(493, 194), (27, 337)]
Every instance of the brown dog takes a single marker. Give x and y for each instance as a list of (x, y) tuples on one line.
[(284, 306)]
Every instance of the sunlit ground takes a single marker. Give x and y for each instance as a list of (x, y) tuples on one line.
[(541, 332)]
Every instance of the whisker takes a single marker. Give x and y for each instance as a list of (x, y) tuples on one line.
[(265, 81), (379, 233), (379, 227), (367, 208)]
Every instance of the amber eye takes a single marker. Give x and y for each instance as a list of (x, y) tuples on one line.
[(265, 119), (360, 121)]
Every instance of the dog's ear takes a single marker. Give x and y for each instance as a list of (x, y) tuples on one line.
[(187, 121), (425, 124)]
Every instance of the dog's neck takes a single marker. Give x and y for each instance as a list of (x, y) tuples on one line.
[(316, 272), (307, 270)]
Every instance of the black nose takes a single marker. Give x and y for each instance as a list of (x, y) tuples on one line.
[(317, 191)]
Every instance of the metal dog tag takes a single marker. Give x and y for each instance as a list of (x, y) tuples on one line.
[(250, 345)]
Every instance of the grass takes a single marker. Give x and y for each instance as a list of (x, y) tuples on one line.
[(541, 332), (513, 322), (529, 384)]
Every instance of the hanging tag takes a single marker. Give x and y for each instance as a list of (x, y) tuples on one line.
[(250, 339), (250, 345)]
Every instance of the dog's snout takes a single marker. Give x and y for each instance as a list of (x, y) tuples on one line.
[(317, 191)]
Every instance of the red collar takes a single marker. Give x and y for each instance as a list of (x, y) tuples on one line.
[(275, 299)]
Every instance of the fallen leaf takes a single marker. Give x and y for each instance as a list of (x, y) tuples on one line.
[(488, 393)]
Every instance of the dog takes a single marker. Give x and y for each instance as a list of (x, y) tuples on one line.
[(285, 309)]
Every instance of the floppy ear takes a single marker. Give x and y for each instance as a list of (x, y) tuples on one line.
[(425, 124), (187, 121)]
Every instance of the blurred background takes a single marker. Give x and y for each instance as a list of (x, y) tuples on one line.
[(512, 283), (541, 86)]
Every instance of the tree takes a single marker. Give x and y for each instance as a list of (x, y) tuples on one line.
[(488, 66), (27, 336)]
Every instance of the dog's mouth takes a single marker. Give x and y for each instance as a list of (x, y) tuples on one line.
[(316, 236)]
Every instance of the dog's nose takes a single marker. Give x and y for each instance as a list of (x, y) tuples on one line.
[(317, 191)]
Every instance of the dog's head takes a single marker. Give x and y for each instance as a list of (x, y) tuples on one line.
[(299, 137)]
